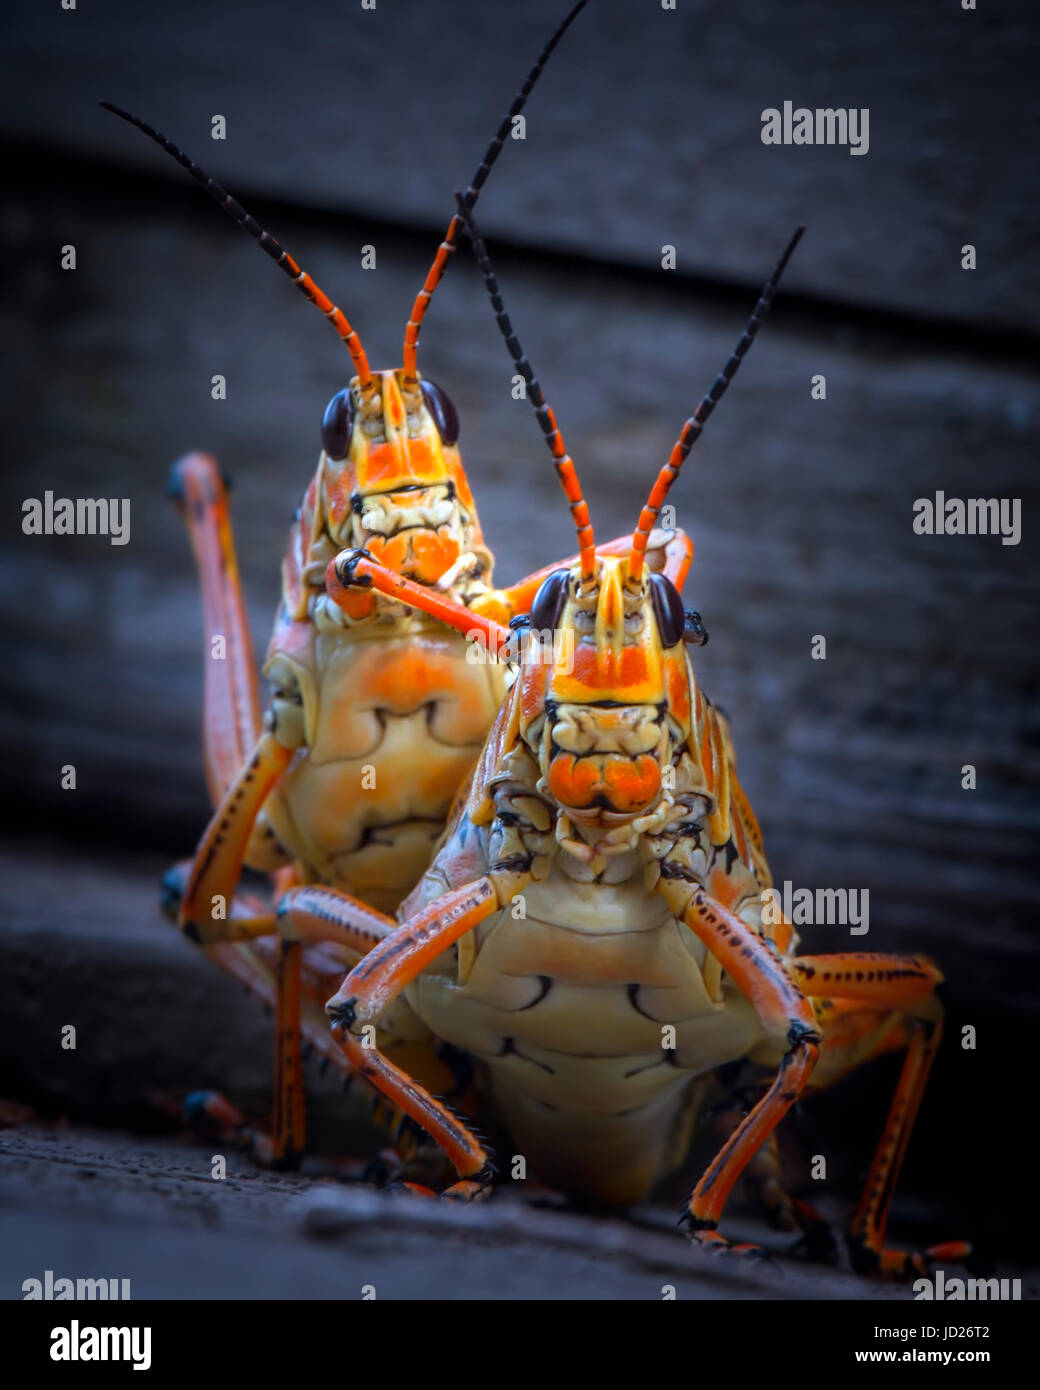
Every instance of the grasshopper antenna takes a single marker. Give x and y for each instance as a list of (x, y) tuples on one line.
[(447, 246), (278, 254), (562, 461), (691, 431)]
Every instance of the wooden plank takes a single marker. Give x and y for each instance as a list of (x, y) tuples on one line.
[(646, 132), (801, 511)]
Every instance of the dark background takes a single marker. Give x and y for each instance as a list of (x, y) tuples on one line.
[(348, 127)]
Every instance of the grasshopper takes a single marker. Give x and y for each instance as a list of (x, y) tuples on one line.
[(591, 929), (376, 714)]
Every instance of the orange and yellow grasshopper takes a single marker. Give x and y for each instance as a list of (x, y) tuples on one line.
[(376, 714), (591, 930)]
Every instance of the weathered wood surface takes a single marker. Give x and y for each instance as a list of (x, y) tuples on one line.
[(801, 510), (78, 1201), (646, 131)]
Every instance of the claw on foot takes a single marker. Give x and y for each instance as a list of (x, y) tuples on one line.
[(346, 568), (468, 1190), (904, 1264), (707, 1238)]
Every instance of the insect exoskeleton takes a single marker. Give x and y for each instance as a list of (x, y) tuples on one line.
[(383, 705), (592, 928), (376, 714)]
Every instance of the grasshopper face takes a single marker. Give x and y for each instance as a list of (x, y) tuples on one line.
[(609, 710), (392, 478)]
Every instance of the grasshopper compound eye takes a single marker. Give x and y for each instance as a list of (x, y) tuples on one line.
[(338, 424), (668, 610), (445, 416), (549, 600)]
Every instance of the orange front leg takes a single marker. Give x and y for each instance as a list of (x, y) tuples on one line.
[(357, 569), (378, 979), (762, 978), (354, 569)]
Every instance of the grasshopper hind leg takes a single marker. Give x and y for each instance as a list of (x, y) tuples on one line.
[(869, 1004)]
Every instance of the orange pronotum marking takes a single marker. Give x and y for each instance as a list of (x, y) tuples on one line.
[(608, 669)]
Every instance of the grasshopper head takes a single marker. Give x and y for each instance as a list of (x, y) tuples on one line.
[(609, 708), (392, 478), (604, 695)]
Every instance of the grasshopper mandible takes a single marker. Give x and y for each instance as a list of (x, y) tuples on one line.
[(591, 928), (376, 714)]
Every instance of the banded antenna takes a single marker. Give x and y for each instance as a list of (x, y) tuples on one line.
[(691, 431), (447, 246), (267, 242), (562, 461), (300, 278)]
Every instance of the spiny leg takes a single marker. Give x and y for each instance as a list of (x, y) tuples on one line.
[(231, 725), (866, 1236), (206, 918), (378, 979), (761, 1178), (901, 991), (299, 919), (258, 965), (760, 975), (220, 857), (871, 977), (288, 1122), (231, 701)]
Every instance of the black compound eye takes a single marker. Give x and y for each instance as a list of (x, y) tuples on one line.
[(445, 416), (338, 424), (668, 609), (549, 601)]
